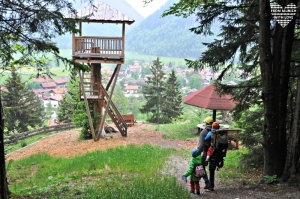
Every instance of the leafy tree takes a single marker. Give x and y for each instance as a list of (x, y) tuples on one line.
[(21, 105), (172, 108), (33, 85), (196, 82), (145, 71), (27, 29), (49, 110), (251, 136), (72, 109), (181, 80), (120, 100), (135, 104), (135, 75), (153, 92)]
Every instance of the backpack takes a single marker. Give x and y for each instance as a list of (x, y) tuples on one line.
[(219, 142), (199, 170)]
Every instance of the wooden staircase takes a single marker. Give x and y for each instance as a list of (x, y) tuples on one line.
[(88, 93), (115, 115)]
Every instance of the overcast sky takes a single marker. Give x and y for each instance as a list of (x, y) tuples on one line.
[(138, 5)]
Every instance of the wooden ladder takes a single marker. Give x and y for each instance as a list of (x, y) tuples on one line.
[(88, 91)]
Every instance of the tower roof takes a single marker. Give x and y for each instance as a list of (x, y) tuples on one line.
[(100, 12)]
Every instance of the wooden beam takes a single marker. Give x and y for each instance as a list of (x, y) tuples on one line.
[(123, 39), (109, 100), (80, 28), (87, 107), (111, 78), (73, 44)]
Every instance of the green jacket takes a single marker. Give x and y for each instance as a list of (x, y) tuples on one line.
[(189, 172)]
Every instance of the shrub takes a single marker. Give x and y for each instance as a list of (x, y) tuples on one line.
[(251, 121)]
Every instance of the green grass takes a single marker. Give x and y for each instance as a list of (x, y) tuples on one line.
[(123, 172), (131, 55), (233, 172), (165, 60), (28, 73), (181, 131)]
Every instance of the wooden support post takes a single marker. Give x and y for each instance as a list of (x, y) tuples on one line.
[(123, 39), (111, 79), (73, 44), (87, 106), (109, 99)]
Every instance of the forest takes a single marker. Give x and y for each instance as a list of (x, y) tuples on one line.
[(249, 39)]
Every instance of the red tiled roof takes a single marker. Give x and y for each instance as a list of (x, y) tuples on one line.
[(135, 67), (48, 84), (41, 79), (60, 80), (59, 90), (40, 90), (56, 97), (131, 87)]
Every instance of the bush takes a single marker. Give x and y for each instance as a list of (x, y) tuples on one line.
[(23, 143), (251, 121)]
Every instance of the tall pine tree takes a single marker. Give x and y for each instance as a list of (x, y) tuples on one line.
[(153, 92), (172, 108), (22, 107), (264, 50)]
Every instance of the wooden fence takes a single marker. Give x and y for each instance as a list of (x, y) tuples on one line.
[(43, 130)]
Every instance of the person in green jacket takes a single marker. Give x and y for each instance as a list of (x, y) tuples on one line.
[(194, 181)]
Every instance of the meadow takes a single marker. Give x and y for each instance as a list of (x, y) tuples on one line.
[(29, 73), (122, 172)]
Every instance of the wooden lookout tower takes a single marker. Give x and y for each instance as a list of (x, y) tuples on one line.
[(95, 51)]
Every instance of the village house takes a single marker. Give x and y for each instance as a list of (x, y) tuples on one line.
[(131, 88), (42, 79), (58, 91), (137, 68), (53, 100), (60, 81), (48, 85), (39, 92)]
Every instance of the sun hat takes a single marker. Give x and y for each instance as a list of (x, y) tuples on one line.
[(208, 120)]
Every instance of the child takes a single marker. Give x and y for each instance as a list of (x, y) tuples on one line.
[(194, 181)]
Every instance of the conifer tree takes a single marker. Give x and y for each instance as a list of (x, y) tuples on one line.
[(22, 107), (172, 108), (153, 92), (27, 29), (264, 49)]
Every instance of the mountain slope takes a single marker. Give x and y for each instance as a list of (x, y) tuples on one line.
[(168, 36)]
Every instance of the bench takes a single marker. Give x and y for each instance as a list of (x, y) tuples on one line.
[(129, 119), (232, 136)]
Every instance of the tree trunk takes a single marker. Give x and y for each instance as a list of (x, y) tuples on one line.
[(98, 105), (275, 77), (270, 128), (3, 184), (293, 155)]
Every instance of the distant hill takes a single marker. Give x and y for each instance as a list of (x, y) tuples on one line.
[(95, 29), (168, 36)]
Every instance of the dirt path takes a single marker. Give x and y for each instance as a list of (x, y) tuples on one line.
[(66, 144)]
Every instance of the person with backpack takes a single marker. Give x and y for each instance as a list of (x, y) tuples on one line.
[(196, 171), (215, 144), (204, 144)]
